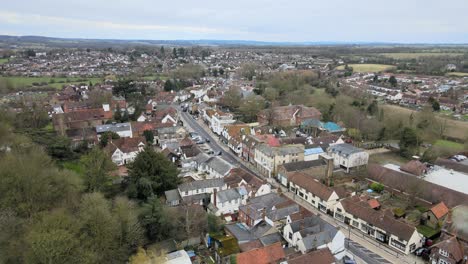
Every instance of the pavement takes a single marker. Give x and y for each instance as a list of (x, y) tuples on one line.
[(362, 247)]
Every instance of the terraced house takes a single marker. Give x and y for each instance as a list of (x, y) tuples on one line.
[(382, 226)]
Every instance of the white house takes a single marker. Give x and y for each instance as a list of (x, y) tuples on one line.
[(199, 192), (312, 191), (219, 120), (215, 167), (228, 201), (347, 156), (125, 150), (312, 233)]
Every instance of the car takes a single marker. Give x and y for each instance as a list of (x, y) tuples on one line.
[(209, 152), (421, 251), (207, 140), (218, 153), (200, 141)]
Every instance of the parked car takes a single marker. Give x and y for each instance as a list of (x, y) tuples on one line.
[(218, 153), (207, 140)]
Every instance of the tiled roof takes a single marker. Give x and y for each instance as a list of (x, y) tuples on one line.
[(321, 256), (267, 255), (311, 185), (362, 210), (439, 210)]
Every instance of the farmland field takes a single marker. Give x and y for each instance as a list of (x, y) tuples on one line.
[(3, 60), (460, 74), (455, 129), (416, 55), (20, 82), (368, 67)]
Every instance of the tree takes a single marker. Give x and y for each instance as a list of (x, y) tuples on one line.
[(149, 136), (151, 173), (174, 53), (106, 136), (408, 142), (393, 81), (247, 71), (162, 51), (55, 239), (124, 87), (155, 220), (372, 108), (97, 166), (377, 187), (232, 98), (169, 86), (214, 224), (250, 107), (436, 106), (30, 183)]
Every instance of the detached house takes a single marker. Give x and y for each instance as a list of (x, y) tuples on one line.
[(347, 156), (313, 233), (216, 167), (227, 201), (125, 150), (199, 192), (268, 158), (436, 216)]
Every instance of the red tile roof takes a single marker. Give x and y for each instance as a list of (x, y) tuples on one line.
[(439, 210), (373, 203), (267, 255), (321, 256)]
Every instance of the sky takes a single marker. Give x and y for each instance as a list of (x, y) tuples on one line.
[(401, 21)]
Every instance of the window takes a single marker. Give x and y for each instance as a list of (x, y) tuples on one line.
[(339, 210), (290, 235), (442, 261), (412, 247), (443, 253), (397, 244), (186, 192), (355, 224), (339, 216), (305, 197)]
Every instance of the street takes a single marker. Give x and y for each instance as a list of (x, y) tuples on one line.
[(367, 253)]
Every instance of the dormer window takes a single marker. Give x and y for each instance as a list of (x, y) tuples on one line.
[(443, 253)]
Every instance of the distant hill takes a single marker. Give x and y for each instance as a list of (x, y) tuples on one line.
[(25, 41)]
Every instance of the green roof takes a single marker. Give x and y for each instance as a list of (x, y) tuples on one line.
[(228, 246)]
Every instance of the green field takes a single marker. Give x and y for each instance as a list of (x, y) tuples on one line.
[(459, 74), (3, 60), (19, 82), (368, 67), (416, 55), (449, 144)]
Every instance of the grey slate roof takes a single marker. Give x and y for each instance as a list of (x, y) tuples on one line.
[(228, 195), (119, 127), (314, 231), (172, 195), (243, 234), (271, 239), (282, 213), (209, 183), (302, 165), (344, 149), (219, 165)]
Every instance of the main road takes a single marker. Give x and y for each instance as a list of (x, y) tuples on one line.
[(361, 253), (227, 155)]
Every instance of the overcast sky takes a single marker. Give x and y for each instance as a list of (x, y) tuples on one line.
[(408, 21)]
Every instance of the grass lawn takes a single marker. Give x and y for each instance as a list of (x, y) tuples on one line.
[(3, 60), (416, 55), (388, 157), (455, 129), (449, 144), (427, 231), (367, 67), (21, 82), (459, 74), (75, 166)]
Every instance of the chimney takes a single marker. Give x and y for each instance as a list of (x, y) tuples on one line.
[(214, 196)]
